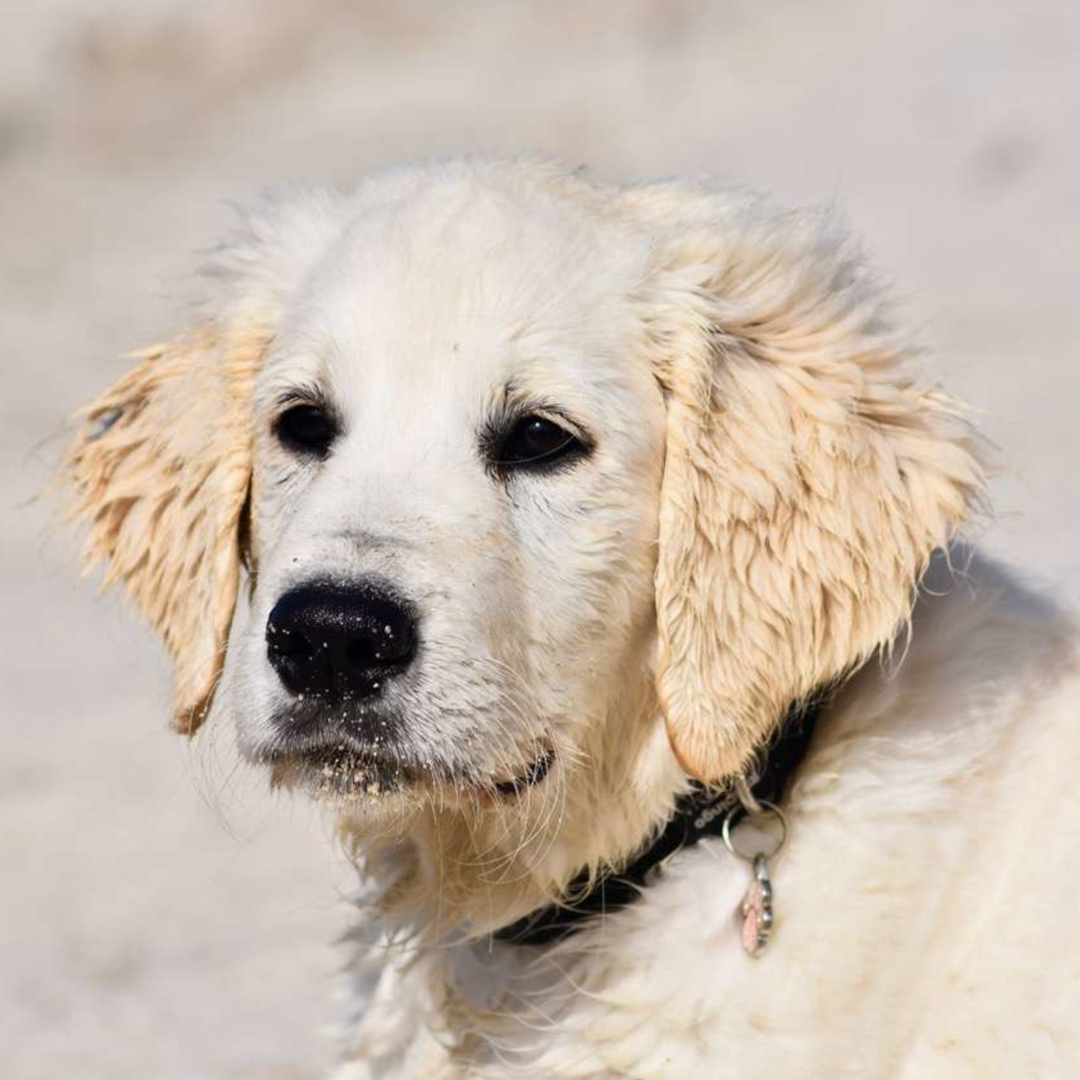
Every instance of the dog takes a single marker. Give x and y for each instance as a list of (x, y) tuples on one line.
[(583, 547)]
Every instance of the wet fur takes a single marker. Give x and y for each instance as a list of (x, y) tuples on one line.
[(773, 476)]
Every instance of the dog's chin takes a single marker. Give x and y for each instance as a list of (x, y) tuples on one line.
[(343, 771), (340, 773)]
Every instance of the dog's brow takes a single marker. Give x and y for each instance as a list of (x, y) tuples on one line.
[(303, 393)]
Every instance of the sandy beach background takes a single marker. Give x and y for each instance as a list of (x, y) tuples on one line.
[(161, 915)]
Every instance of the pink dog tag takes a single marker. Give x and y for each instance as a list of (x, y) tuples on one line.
[(764, 832), (756, 909)]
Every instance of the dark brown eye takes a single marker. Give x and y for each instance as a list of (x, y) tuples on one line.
[(536, 442), (306, 430)]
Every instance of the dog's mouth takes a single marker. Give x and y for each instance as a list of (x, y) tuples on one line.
[(343, 769), (535, 773)]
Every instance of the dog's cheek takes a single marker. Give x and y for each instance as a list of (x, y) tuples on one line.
[(597, 598)]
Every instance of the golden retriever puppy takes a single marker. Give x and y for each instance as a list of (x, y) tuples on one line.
[(597, 559)]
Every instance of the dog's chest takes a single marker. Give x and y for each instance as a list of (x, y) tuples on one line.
[(896, 953), (663, 989)]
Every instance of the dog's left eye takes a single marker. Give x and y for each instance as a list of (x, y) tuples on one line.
[(536, 442)]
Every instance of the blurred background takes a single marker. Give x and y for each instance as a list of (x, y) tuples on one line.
[(161, 915)]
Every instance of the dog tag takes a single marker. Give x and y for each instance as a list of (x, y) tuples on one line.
[(756, 909), (763, 832)]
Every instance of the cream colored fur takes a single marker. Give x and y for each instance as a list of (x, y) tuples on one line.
[(924, 902), (771, 478)]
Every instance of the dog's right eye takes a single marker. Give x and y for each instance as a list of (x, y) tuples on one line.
[(536, 444), (306, 429)]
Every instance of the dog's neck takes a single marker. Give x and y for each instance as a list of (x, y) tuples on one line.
[(439, 871), (699, 813), (450, 874)]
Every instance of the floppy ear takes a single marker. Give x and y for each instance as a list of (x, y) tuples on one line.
[(162, 462), (808, 477), (161, 466)]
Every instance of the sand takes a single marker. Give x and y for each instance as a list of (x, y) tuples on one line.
[(161, 915)]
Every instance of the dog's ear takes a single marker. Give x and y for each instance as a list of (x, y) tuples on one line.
[(808, 475), (161, 463), (161, 466)]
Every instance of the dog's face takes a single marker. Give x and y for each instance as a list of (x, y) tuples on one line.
[(457, 468), (550, 496)]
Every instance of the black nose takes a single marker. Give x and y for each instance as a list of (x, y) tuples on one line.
[(339, 642)]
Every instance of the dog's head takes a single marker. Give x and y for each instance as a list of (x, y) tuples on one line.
[(548, 495)]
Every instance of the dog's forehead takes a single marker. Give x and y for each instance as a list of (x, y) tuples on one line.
[(460, 288)]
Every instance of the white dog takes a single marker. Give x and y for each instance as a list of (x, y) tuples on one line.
[(553, 500)]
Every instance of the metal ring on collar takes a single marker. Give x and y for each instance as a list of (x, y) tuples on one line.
[(738, 815)]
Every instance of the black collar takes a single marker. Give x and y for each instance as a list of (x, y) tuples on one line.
[(698, 813)]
